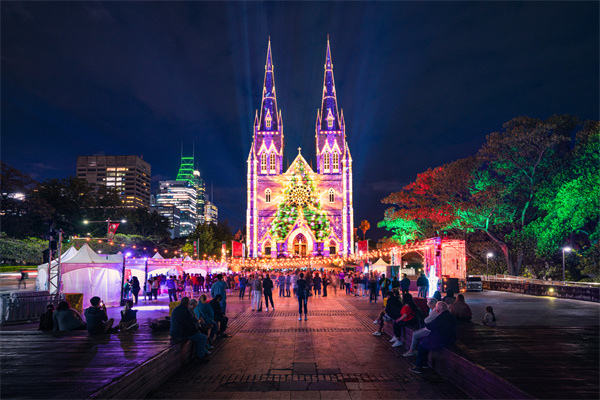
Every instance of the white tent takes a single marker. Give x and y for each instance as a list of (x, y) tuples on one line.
[(157, 256), (379, 266), (188, 258), (41, 282), (93, 275)]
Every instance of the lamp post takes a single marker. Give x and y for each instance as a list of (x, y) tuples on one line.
[(564, 249), (108, 221), (487, 262)]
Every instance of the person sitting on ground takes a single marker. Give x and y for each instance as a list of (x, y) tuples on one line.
[(390, 313), (437, 295), (461, 310), (47, 319), (489, 319), (184, 326), (67, 319), (450, 299), (128, 317), (205, 312), (423, 332), (96, 317), (219, 316), (443, 333), (409, 317)]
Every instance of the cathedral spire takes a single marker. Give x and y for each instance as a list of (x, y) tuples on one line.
[(269, 120), (330, 119)]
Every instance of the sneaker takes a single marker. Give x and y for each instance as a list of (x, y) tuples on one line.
[(209, 346), (300, 319), (410, 353), (376, 321), (397, 343), (393, 339), (207, 352), (376, 333), (305, 318), (415, 369), (267, 310)]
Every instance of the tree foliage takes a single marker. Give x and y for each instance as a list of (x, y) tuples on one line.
[(525, 190)]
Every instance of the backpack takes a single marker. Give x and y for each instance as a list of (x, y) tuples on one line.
[(160, 324)]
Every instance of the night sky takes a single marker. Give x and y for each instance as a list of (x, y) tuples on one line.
[(421, 84)]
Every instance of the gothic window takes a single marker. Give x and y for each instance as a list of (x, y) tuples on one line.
[(272, 163), (268, 196), (267, 249), (330, 119), (263, 163), (332, 248), (268, 119), (331, 196), (326, 162), (336, 162)]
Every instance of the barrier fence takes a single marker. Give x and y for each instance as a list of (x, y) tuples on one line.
[(26, 306)]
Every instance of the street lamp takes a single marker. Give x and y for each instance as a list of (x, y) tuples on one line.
[(487, 262), (564, 249)]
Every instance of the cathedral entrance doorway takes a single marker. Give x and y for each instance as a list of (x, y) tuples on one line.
[(300, 245)]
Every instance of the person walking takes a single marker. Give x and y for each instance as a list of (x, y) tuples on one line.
[(405, 284), (172, 289), (135, 288), (268, 291), (288, 283), (220, 287), (281, 284), (243, 282), (302, 297), (422, 285), (256, 292)]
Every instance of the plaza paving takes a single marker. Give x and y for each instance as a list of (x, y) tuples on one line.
[(332, 355)]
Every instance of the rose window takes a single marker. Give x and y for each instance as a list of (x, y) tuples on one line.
[(299, 195)]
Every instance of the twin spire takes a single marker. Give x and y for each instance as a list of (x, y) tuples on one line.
[(328, 117)]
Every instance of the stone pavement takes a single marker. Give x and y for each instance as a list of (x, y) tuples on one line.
[(333, 355)]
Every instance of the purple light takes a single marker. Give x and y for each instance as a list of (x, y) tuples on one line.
[(128, 254)]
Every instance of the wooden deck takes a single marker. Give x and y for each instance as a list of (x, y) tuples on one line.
[(38, 365)]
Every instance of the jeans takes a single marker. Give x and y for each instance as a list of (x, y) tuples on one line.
[(281, 290), (418, 335), (199, 340), (256, 295), (302, 301), (324, 290), (155, 294), (423, 352), (269, 296), (287, 290), (422, 291), (135, 295), (401, 324), (348, 291), (242, 291), (172, 294), (373, 294), (318, 291), (362, 290)]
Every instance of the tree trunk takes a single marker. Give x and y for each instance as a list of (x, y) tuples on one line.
[(512, 268)]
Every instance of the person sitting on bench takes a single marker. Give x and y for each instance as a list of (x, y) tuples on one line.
[(184, 326), (219, 316)]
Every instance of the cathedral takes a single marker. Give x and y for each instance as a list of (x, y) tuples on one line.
[(299, 212)]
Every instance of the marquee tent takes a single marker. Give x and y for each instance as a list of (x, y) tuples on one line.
[(157, 256), (379, 266), (93, 275), (41, 282)]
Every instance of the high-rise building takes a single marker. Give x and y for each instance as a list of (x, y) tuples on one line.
[(183, 196), (212, 213), (299, 211), (173, 214), (129, 175), (189, 174)]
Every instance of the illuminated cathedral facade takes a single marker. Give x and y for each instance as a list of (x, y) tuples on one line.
[(299, 211)]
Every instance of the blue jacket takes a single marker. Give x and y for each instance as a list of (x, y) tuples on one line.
[(443, 330), (183, 324), (219, 287), (205, 312)]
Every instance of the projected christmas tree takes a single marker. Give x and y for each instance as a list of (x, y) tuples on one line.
[(300, 199)]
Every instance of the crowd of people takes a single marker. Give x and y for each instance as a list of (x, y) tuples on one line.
[(203, 321)]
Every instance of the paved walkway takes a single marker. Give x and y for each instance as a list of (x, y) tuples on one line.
[(332, 355)]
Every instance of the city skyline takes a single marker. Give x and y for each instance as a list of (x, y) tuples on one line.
[(422, 83)]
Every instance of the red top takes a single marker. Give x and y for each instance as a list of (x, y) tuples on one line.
[(406, 310)]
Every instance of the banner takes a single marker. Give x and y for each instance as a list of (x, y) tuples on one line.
[(243, 250), (363, 247), (236, 249), (112, 229), (224, 249), (195, 247)]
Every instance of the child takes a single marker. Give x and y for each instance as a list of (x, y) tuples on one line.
[(128, 317), (489, 319)]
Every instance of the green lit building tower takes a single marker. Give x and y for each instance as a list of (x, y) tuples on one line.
[(187, 173)]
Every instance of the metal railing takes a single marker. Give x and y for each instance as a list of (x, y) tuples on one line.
[(520, 279), (26, 306)]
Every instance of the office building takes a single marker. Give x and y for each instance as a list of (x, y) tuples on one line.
[(212, 213), (173, 214), (183, 196), (129, 175)]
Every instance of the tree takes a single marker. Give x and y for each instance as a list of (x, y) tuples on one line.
[(364, 226)]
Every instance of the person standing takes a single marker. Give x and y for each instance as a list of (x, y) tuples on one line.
[(256, 292), (281, 284), (172, 289), (404, 284), (373, 290), (268, 290), (220, 287), (135, 288), (294, 281), (325, 283), (422, 285), (22, 280), (288, 283), (155, 286), (201, 283), (243, 283), (384, 283), (342, 281), (184, 326), (302, 297), (317, 284)]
